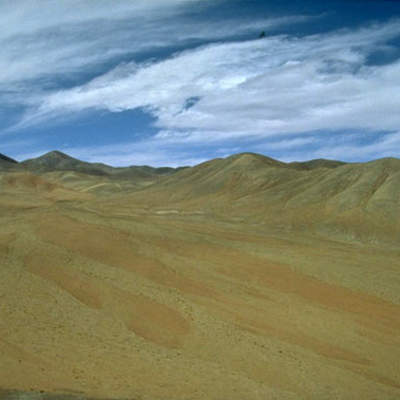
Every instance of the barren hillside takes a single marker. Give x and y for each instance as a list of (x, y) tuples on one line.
[(239, 278)]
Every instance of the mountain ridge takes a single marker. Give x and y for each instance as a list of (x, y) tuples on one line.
[(55, 158), (59, 161)]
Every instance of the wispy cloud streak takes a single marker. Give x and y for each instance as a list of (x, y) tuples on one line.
[(260, 87)]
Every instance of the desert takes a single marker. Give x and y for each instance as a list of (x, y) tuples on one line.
[(240, 277), (199, 200)]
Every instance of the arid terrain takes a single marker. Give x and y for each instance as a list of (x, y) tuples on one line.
[(242, 278)]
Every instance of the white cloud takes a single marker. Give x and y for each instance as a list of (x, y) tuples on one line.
[(261, 87), (42, 40)]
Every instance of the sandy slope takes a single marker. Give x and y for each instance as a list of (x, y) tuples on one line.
[(128, 297)]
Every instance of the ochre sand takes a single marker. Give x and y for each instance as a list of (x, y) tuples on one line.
[(115, 298)]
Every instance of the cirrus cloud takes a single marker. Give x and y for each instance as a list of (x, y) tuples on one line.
[(277, 85)]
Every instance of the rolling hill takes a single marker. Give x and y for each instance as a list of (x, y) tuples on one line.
[(58, 161), (241, 278), (58, 167), (357, 200)]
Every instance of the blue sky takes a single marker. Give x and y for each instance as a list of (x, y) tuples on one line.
[(176, 82)]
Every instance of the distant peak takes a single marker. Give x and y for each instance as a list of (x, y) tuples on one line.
[(245, 155), (248, 157), (55, 154), (51, 161)]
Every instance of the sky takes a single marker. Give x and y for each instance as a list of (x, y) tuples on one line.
[(177, 82)]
